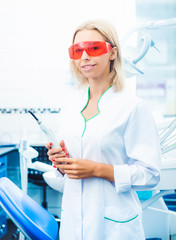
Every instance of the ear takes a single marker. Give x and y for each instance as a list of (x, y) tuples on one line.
[(113, 53)]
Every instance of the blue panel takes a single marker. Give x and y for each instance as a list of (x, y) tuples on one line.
[(3, 173), (170, 201), (144, 195), (3, 166)]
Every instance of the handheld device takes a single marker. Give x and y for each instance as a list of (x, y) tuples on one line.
[(50, 135)]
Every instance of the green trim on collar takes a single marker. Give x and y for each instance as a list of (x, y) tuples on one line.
[(97, 108), (101, 97)]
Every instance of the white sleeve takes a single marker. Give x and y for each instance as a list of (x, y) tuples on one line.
[(142, 146), (55, 179)]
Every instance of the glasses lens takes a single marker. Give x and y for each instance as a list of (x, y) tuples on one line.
[(96, 49), (75, 51)]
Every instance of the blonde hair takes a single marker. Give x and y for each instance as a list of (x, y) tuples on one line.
[(109, 34)]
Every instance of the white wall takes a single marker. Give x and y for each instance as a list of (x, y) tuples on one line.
[(34, 38)]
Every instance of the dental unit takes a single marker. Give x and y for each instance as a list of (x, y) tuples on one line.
[(49, 173)]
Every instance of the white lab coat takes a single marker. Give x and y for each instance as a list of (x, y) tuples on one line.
[(124, 135)]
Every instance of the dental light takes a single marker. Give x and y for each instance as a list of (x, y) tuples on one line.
[(133, 55)]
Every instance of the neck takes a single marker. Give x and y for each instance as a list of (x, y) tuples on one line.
[(97, 88)]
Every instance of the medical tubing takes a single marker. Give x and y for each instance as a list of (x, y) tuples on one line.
[(169, 148), (169, 141), (164, 135), (29, 111)]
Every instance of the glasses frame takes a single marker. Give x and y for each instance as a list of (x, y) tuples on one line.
[(77, 49)]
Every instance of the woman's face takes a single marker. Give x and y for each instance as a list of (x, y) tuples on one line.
[(93, 67)]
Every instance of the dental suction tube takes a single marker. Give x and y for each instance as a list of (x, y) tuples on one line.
[(50, 135), (167, 132)]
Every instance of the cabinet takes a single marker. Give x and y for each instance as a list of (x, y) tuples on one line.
[(3, 172)]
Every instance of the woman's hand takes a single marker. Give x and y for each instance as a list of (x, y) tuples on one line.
[(60, 152), (76, 168)]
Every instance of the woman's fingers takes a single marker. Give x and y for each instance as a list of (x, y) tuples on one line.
[(65, 160), (54, 154), (60, 149), (57, 156), (53, 151), (48, 145), (63, 146)]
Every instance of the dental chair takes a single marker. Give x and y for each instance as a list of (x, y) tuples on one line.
[(35, 222)]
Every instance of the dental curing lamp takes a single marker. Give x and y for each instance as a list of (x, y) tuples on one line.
[(35, 222), (50, 135)]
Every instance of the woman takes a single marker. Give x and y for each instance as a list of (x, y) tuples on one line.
[(110, 147)]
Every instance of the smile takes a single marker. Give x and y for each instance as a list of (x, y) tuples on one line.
[(88, 67)]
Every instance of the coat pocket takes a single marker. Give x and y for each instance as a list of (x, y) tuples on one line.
[(123, 224), (118, 215)]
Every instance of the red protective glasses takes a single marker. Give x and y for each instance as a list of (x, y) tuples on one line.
[(92, 48)]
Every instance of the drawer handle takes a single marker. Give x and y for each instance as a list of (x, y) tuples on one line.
[(2, 164), (2, 228)]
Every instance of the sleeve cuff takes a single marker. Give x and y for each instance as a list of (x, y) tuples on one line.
[(122, 178)]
